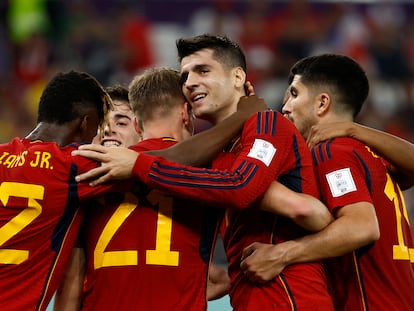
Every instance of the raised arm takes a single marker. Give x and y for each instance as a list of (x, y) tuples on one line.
[(217, 187), (195, 151), (305, 210), (201, 148), (397, 151)]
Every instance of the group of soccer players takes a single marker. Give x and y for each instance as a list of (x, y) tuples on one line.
[(147, 241)]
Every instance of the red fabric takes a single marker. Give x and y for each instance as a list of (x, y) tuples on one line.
[(177, 279), (237, 181), (358, 278), (38, 215)]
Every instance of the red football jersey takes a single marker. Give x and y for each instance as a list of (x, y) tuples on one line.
[(38, 219), (378, 276), (148, 250), (270, 148)]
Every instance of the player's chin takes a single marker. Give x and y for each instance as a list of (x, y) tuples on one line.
[(200, 113)]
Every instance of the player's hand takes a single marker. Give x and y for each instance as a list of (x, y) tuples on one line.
[(117, 163), (251, 104), (248, 87), (261, 262), (326, 131)]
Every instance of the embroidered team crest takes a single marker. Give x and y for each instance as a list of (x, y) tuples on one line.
[(262, 150), (341, 182)]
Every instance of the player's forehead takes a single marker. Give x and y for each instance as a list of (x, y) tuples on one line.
[(121, 106), (204, 57), (297, 81)]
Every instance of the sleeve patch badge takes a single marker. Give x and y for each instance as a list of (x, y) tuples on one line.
[(262, 150), (341, 182)]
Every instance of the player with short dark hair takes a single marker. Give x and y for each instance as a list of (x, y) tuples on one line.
[(370, 242), (269, 149), (40, 198), (157, 255), (39, 212)]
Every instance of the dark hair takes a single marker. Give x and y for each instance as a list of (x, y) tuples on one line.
[(155, 91), (225, 51), (67, 93), (118, 92), (340, 72)]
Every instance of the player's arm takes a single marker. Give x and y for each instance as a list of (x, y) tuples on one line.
[(355, 226), (195, 151), (201, 148), (218, 282), (236, 187), (69, 293), (397, 151), (305, 210)]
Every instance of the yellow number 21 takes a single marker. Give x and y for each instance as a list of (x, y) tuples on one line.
[(161, 255)]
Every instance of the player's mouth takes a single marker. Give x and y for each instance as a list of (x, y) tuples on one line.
[(111, 143), (198, 97)]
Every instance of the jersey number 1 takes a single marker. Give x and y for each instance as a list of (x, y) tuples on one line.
[(400, 251)]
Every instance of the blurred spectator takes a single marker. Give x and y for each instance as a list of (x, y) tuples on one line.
[(89, 41), (345, 32), (387, 21), (28, 25), (297, 26), (32, 58), (27, 17), (134, 40), (257, 40), (216, 18)]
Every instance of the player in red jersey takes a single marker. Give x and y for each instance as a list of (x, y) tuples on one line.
[(397, 151), (109, 286), (371, 233), (118, 131), (158, 100), (158, 252), (269, 148), (40, 197)]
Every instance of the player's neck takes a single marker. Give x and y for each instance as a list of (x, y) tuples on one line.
[(222, 114), (161, 131), (50, 132), (336, 117)]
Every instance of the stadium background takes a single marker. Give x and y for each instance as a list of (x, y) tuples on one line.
[(117, 39)]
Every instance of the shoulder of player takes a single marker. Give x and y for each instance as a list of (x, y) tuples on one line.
[(340, 144), (269, 122), (334, 148), (153, 144)]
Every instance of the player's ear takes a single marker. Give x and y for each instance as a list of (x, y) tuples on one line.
[(187, 113), (138, 128), (84, 123), (188, 117), (324, 103), (82, 128), (239, 77)]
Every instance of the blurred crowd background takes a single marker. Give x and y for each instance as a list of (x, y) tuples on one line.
[(117, 39)]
